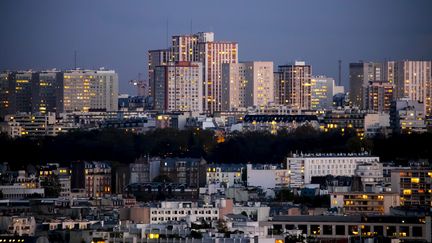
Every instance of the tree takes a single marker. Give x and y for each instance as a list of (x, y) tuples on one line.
[(195, 234), (51, 185), (222, 227), (162, 179), (284, 195)]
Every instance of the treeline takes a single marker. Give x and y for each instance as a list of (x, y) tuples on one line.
[(254, 147)]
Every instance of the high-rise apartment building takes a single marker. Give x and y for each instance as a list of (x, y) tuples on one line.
[(22, 96), (260, 83), (213, 55), (410, 79), (199, 47), (234, 86), (47, 92), (156, 58), (295, 85), (413, 81), (186, 47), (86, 90), (278, 87), (178, 87), (378, 96), (322, 89), (7, 89), (30, 91), (359, 75), (247, 84)]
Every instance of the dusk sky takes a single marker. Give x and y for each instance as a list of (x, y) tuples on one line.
[(117, 34)]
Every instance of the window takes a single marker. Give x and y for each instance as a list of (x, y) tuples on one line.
[(315, 229), (391, 230), (404, 231), (289, 227), (303, 228), (353, 230), (340, 229), (378, 230), (417, 231), (327, 229)]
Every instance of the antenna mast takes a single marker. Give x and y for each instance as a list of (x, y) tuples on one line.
[(340, 72), (75, 59)]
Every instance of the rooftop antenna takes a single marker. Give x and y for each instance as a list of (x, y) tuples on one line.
[(75, 59), (167, 41), (340, 72), (191, 30)]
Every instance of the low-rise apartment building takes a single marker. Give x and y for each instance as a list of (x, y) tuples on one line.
[(364, 203)]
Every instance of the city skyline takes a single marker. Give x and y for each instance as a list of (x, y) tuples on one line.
[(118, 36), (216, 121)]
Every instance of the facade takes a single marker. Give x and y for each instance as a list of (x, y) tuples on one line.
[(294, 85), (184, 47), (22, 226), (303, 167), (342, 120), (227, 174), (356, 227), (278, 88), (64, 177), (407, 116), (19, 191), (7, 88), (213, 55), (178, 87), (175, 211), (247, 84), (93, 177), (413, 81), (144, 170), (188, 171), (376, 123), (86, 90), (47, 92), (360, 74), (260, 84), (378, 96), (338, 90), (200, 47), (371, 175), (31, 92), (234, 86), (156, 58), (410, 79), (171, 211), (22, 185), (22, 97), (322, 91), (267, 176), (358, 203), (32, 125), (97, 179), (414, 186)]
